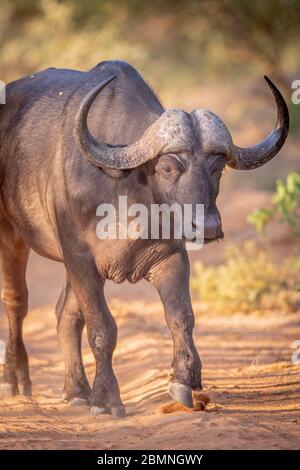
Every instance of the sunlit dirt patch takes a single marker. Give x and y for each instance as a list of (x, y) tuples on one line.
[(248, 375)]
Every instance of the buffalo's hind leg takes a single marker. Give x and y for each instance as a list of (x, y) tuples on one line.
[(70, 324), (13, 257)]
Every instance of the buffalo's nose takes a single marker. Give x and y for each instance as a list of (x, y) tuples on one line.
[(213, 227)]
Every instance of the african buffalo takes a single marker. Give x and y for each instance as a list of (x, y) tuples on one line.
[(71, 140)]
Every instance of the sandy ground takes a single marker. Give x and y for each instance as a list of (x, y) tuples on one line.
[(247, 371), (254, 388)]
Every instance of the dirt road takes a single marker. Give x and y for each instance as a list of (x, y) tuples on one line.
[(247, 371), (254, 388)]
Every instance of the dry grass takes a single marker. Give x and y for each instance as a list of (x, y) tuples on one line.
[(249, 280)]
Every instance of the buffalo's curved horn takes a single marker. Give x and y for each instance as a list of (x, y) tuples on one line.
[(257, 155), (112, 156)]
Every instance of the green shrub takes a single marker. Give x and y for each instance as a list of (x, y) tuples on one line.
[(286, 206)]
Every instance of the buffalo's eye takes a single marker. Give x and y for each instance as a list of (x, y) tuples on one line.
[(169, 167), (167, 170)]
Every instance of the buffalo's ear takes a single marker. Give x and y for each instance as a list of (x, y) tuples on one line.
[(113, 173)]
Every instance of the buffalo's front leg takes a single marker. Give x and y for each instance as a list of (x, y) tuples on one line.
[(101, 331), (172, 282)]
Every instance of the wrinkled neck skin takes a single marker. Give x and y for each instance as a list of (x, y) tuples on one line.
[(116, 259)]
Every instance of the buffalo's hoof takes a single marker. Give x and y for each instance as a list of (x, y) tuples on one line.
[(181, 393), (7, 390), (118, 411), (77, 401), (97, 410), (115, 411)]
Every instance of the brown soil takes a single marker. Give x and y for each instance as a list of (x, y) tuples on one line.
[(247, 369)]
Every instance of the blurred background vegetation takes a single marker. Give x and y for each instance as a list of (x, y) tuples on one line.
[(195, 53), (177, 42)]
